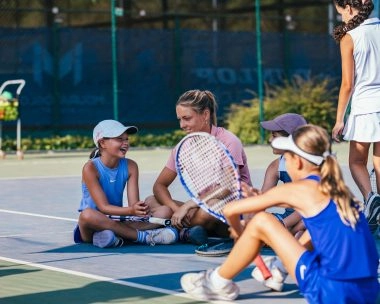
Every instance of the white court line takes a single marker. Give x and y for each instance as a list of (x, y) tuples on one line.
[(37, 177), (59, 176), (39, 215), (86, 275), (102, 278)]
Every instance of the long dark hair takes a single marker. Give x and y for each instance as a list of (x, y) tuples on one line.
[(365, 9)]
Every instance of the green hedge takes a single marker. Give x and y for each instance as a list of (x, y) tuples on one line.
[(315, 99), (77, 142)]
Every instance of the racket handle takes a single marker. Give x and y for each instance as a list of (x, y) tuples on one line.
[(160, 221), (263, 268)]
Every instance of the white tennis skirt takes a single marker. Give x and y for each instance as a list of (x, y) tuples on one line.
[(363, 128)]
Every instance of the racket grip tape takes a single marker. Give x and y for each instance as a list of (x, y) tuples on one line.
[(263, 268), (160, 221)]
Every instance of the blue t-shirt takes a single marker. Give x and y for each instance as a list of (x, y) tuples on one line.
[(112, 181)]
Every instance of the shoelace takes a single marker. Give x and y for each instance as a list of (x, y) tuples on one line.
[(150, 237), (201, 279)]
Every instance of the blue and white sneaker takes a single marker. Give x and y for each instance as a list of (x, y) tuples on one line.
[(372, 211), (163, 236), (106, 239)]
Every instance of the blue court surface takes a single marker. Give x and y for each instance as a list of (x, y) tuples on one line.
[(39, 263)]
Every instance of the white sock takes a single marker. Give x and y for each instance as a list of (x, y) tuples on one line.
[(277, 263), (217, 280)]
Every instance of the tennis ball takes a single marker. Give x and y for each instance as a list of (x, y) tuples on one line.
[(7, 95)]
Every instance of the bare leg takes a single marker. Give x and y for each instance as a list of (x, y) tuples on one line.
[(91, 220), (198, 217), (213, 226), (156, 210), (376, 163), (264, 227), (358, 158), (292, 219)]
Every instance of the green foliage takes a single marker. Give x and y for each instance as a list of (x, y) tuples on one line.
[(8, 108), (77, 142), (313, 98)]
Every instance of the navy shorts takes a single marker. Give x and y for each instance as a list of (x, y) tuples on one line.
[(318, 289), (77, 236)]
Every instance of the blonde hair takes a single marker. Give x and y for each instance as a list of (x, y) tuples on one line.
[(200, 101), (315, 140)]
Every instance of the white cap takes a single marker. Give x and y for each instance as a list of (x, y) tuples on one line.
[(287, 144), (111, 128)]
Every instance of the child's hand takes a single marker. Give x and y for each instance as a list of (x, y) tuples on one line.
[(141, 209), (233, 234), (248, 191), (180, 218)]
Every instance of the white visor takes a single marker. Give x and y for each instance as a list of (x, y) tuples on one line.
[(287, 144)]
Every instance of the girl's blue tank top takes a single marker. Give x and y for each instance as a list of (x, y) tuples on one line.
[(112, 181), (344, 253)]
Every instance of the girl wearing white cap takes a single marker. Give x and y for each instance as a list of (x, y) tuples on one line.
[(341, 268), (104, 179)]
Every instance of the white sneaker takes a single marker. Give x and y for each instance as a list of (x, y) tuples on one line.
[(106, 238), (199, 286), (276, 282), (167, 235)]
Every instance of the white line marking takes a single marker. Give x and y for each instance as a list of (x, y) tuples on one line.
[(39, 215), (38, 177)]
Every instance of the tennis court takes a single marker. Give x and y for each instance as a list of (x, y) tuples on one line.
[(40, 264)]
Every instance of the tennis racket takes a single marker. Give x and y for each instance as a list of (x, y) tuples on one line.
[(210, 176), (150, 219)]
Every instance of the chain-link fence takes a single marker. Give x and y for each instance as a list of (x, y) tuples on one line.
[(64, 51)]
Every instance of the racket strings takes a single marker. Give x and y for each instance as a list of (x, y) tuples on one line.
[(208, 172)]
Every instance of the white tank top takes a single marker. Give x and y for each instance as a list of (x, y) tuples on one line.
[(366, 93)]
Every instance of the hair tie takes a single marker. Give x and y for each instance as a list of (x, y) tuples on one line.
[(96, 153), (326, 154)]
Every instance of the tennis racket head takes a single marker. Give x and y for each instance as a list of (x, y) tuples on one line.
[(208, 172)]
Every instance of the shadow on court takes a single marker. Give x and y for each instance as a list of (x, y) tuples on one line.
[(129, 248), (26, 285)]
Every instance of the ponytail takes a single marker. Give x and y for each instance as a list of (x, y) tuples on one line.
[(316, 141), (332, 183)]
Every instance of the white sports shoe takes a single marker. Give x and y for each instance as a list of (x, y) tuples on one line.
[(276, 282), (199, 286), (161, 236), (106, 239)]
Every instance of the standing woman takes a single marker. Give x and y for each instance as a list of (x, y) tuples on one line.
[(196, 112), (359, 38)]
